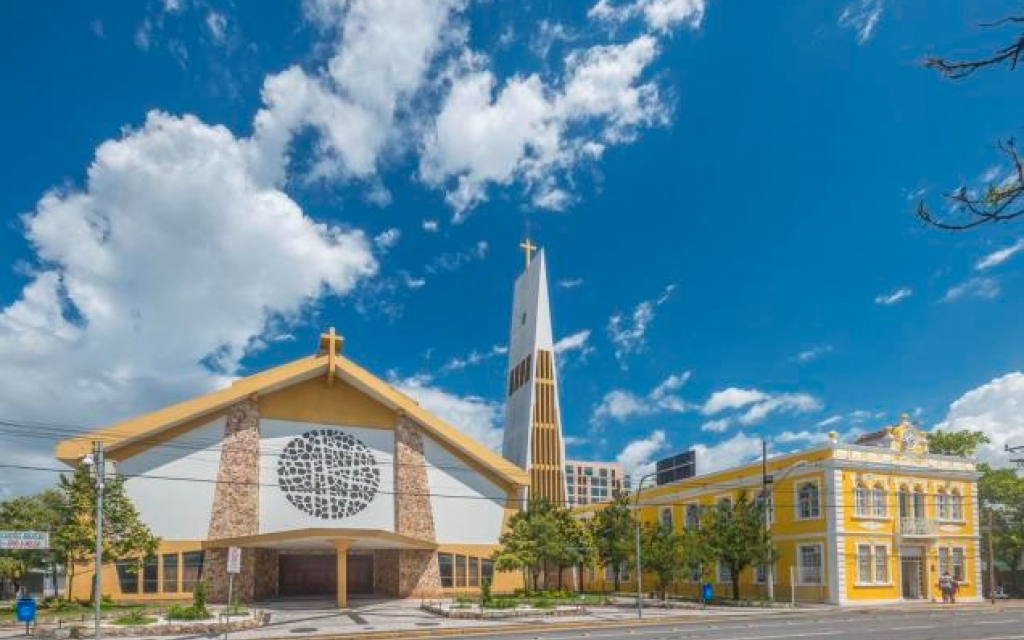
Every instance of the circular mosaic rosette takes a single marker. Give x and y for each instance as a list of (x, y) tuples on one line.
[(328, 474)]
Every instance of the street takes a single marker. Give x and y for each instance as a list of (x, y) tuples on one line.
[(924, 624)]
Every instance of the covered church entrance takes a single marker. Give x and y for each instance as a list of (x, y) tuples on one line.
[(308, 575)]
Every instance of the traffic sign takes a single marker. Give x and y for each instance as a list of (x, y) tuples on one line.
[(234, 560)]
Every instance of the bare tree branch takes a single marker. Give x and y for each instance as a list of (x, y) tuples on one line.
[(958, 69), (1001, 201)]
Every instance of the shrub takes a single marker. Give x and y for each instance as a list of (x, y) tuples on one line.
[(134, 619), (181, 612), (199, 600), (485, 592), (74, 632)]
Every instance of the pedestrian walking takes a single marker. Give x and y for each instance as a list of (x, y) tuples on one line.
[(946, 587), (954, 587)]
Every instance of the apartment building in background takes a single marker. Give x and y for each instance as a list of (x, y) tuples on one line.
[(593, 482)]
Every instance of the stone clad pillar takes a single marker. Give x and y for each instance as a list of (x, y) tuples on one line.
[(341, 557), (236, 507), (418, 572)]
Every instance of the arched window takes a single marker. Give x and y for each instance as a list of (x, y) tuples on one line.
[(692, 516), (904, 501), (919, 502), (666, 518), (878, 508), (956, 505), (808, 505), (860, 500), (942, 504)]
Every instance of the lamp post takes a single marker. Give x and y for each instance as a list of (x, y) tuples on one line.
[(639, 564), (768, 484), (1016, 449)]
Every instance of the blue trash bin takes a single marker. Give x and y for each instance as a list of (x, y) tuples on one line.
[(707, 592)]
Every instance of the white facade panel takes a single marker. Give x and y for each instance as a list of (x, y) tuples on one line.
[(315, 497), (468, 507), (177, 509)]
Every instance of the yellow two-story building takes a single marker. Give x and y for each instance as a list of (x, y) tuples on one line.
[(874, 522)]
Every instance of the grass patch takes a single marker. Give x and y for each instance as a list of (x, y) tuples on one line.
[(134, 619)]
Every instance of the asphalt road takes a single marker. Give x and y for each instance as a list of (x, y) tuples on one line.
[(924, 624)]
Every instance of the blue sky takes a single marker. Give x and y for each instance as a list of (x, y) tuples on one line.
[(194, 189)]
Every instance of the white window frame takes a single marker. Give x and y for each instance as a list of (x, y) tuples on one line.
[(942, 504), (760, 573), (861, 501), (887, 579), (800, 565), (719, 566), (946, 554), (956, 505), (865, 562), (879, 507), (799, 506)]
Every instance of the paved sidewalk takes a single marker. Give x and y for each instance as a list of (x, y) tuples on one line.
[(309, 619)]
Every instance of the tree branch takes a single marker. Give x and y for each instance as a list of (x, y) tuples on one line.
[(959, 69)]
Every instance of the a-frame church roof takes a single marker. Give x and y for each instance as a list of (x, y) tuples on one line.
[(331, 364)]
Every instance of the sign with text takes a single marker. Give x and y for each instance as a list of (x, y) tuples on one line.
[(234, 560), (24, 540)]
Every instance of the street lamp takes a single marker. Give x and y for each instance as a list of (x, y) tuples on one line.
[(1016, 449), (639, 566)]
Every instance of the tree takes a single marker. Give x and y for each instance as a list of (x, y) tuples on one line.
[(734, 531), (1002, 199), (124, 535), (43, 511), (956, 443), (611, 529), (575, 547), (669, 556), (1005, 488), (530, 541)]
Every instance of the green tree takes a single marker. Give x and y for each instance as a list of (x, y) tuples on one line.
[(611, 529), (1005, 488), (956, 443), (124, 535), (670, 556), (530, 542), (43, 511), (734, 532), (574, 547)]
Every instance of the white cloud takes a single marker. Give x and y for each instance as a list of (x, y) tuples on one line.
[(412, 282), (387, 239), (621, 405), (862, 17), (736, 450), (894, 297), (217, 25), (576, 342), (809, 437), (453, 261), (474, 357), (477, 417), (628, 335), (997, 409), (636, 456), (570, 283), (534, 132), (717, 426), (997, 258), (981, 288), (812, 354), (659, 15), (145, 290), (430, 226), (172, 6), (731, 398), (831, 420), (782, 403)]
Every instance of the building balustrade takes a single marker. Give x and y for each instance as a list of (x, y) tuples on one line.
[(918, 527)]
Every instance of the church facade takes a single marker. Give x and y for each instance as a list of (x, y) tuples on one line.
[(330, 481)]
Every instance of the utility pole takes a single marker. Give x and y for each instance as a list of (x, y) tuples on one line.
[(991, 555), (766, 501), (639, 564), (98, 467)]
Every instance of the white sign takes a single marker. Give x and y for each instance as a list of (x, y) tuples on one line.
[(234, 560), (24, 540)]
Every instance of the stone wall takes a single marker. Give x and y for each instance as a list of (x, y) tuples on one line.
[(418, 573), (236, 507), (266, 572), (385, 572)]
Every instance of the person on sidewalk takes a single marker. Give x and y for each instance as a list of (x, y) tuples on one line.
[(946, 587), (954, 587)]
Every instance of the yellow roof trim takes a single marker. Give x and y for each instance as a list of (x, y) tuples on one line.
[(129, 431)]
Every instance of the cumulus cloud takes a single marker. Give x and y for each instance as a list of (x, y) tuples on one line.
[(620, 405), (535, 132), (995, 409), (894, 297), (979, 288), (659, 15), (477, 417), (997, 258), (636, 456), (217, 25), (629, 334), (734, 451), (862, 17), (430, 226), (155, 277), (793, 437), (757, 405), (731, 398), (576, 343), (717, 426), (387, 239)]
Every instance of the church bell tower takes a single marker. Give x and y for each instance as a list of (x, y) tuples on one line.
[(533, 425)]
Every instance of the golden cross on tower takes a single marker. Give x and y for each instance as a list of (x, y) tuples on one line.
[(529, 248)]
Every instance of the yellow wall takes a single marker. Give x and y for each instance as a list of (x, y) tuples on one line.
[(84, 575)]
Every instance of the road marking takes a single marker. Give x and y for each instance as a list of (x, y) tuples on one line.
[(920, 626), (996, 621)]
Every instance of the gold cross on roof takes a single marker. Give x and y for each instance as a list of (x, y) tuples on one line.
[(331, 342), (529, 248)]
